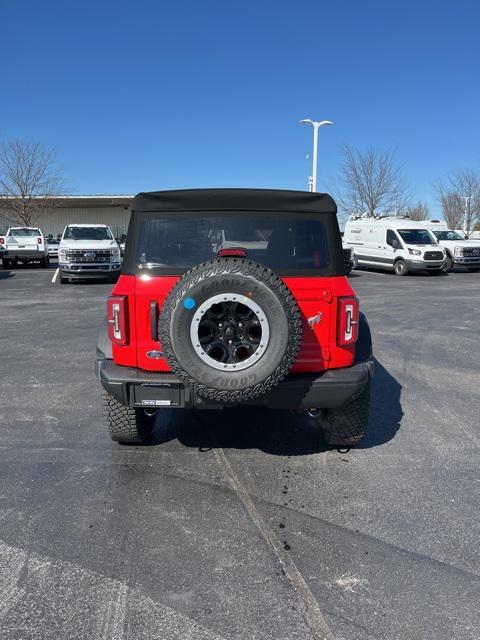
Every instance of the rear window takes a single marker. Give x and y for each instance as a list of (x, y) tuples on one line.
[(283, 244), (24, 233)]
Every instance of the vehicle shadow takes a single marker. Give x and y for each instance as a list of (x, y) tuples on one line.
[(6, 274), (33, 266), (419, 274), (283, 433), (411, 274), (386, 410)]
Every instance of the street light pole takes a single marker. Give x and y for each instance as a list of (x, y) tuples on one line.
[(316, 126), (465, 215)]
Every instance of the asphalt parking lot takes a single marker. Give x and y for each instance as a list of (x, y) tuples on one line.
[(239, 524)]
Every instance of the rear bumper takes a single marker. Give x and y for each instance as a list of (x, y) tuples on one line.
[(23, 254), (138, 388)]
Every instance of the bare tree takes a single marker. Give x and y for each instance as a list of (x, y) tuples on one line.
[(371, 183), (453, 209), (459, 197), (419, 212), (30, 181)]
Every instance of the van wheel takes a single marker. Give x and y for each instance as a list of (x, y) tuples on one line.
[(354, 262), (447, 265), (125, 424), (6, 263), (400, 268), (345, 427), (43, 263)]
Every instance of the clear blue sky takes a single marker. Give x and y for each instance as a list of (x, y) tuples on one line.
[(150, 94)]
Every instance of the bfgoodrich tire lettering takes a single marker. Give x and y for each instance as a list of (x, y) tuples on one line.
[(247, 279)]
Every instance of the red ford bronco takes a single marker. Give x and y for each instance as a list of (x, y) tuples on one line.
[(234, 296)]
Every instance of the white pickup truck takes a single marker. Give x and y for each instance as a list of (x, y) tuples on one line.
[(88, 251), (460, 251), (23, 244)]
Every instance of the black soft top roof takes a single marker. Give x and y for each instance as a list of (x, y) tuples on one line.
[(234, 200), (201, 202)]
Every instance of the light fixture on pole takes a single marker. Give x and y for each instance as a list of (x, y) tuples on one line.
[(316, 126)]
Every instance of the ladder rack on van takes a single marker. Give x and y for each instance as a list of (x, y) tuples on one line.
[(379, 216)]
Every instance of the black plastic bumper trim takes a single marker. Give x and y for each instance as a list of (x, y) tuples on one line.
[(29, 254), (331, 389), (424, 265)]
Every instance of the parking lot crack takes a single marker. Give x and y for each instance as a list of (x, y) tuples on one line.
[(309, 605)]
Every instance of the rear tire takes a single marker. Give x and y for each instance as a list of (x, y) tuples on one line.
[(43, 263), (400, 268), (125, 424), (6, 263), (63, 280), (345, 427)]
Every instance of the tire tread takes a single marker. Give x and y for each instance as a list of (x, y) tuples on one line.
[(125, 424), (258, 272)]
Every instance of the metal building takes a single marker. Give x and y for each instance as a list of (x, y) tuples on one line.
[(113, 210)]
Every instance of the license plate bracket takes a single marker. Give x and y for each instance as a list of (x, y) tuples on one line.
[(156, 395)]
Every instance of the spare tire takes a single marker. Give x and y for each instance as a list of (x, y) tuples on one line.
[(231, 329)]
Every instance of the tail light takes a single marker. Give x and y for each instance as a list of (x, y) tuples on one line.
[(2, 240), (117, 316), (347, 321), (39, 240)]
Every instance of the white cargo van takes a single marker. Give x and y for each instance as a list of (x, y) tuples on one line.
[(393, 243), (460, 251)]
